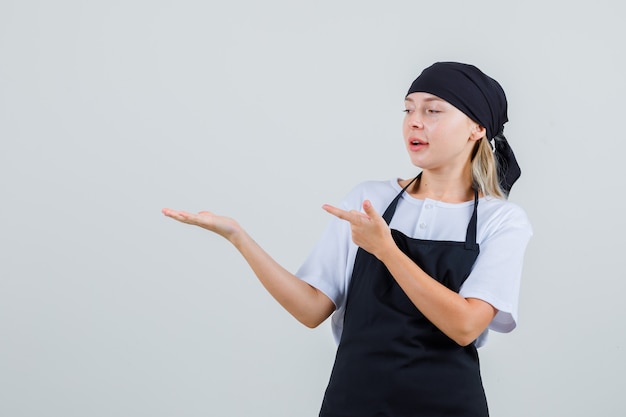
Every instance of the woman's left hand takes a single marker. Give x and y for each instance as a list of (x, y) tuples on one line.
[(369, 230)]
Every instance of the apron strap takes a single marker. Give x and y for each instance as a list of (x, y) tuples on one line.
[(470, 236), (391, 209)]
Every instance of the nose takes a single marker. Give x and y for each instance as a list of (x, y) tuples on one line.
[(415, 121)]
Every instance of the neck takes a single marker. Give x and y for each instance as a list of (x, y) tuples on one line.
[(450, 188)]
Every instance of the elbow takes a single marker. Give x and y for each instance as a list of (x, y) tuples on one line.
[(310, 322), (311, 325), (314, 315), (465, 337), (313, 319), (471, 326), (464, 341)]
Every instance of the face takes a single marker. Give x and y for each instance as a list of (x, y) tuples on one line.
[(437, 135)]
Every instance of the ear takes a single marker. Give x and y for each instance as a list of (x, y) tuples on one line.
[(478, 132)]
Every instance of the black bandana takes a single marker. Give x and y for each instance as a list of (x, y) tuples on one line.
[(482, 99)]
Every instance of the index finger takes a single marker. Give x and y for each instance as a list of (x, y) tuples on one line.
[(350, 216)]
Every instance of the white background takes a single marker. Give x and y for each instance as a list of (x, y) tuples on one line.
[(111, 110)]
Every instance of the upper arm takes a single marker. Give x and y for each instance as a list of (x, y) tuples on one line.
[(322, 309)]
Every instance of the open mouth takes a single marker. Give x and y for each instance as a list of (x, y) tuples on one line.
[(417, 143)]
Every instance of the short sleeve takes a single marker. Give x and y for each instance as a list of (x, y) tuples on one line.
[(329, 265), (496, 275), (325, 266)]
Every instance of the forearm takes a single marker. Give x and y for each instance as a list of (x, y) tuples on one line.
[(461, 319), (307, 304)]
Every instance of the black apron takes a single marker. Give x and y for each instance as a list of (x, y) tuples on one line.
[(391, 360)]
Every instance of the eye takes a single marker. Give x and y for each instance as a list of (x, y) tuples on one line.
[(433, 111), (407, 111)]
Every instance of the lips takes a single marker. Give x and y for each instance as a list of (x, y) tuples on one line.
[(417, 143)]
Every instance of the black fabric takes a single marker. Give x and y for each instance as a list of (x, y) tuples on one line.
[(391, 360), (508, 168), (482, 99)]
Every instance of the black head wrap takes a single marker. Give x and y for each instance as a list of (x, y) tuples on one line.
[(482, 99)]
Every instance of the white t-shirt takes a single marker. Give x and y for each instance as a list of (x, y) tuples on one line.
[(503, 231)]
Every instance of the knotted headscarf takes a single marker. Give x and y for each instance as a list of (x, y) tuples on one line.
[(482, 99)]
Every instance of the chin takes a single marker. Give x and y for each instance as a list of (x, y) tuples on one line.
[(418, 163)]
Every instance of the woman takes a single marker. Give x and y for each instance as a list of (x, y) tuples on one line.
[(415, 289)]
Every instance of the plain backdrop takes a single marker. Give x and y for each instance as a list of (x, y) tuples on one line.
[(111, 110)]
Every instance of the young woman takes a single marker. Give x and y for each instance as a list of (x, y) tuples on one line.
[(414, 272)]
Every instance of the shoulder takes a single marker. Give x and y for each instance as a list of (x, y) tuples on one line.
[(377, 191), (501, 214), (378, 186)]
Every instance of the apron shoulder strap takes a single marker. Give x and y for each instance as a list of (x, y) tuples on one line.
[(391, 209), (470, 237)]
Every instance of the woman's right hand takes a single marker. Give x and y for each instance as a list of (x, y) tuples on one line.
[(306, 303), (221, 225)]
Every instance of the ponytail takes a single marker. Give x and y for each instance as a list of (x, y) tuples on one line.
[(485, 170)]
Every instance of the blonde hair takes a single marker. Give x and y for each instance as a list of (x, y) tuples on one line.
[(485, 170)]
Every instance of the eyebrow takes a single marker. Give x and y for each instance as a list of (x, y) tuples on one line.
[(433, 98)]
